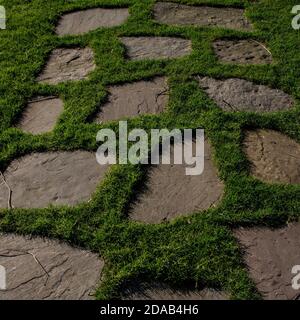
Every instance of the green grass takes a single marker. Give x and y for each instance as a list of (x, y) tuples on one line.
[(195, 250)]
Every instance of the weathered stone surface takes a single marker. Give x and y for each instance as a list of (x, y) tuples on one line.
[(170, 193), (67, 65), (134, 99), (139, 48), (83, 21), (40, 269), (178, 14), (274, 157), (270, 256), (59, 178), (40, 115), (242, 95), (158, 291), (242, 52)]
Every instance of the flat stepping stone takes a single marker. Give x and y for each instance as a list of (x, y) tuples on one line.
[(67, 65), (242, 95), (270, 256), (170, 193), (83, 21), (242, 52), (58, 178), (40, 115), (274, 157), (158, 291), (134, 99), (139, 48), (178, 14), (41, 269)]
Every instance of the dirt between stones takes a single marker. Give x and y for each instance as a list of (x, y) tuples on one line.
[(178, 14), (274, 157), (38, 269), (139, 48), (134, 99), (241, 95), (58, 178), (67, 65), (83, 21)]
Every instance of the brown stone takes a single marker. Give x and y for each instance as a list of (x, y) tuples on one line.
[(67, 65), (274, 157), (41, 269)]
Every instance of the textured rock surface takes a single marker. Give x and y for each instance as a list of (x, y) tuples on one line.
[(271, 255), (40, 115), (242, 52), (45, 269), (67, 64), (139, 48), (57, 178), (134, 99), (242, 95), (83, 21), (275, 157), (170, 193), (177, 14)]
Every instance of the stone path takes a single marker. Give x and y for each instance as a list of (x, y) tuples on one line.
[(38, 269), (274, 157), (40, 115), (134, 99)]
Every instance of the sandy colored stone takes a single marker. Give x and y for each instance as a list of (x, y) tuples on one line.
[(241, 95), (139, 48), (274, 157), (158, 291), (83, 21), (134, 99), (72, 273), (40, 115), (170, 193), (66, 64), (58, 178), (178, 14), (242, 52), (270, 256)]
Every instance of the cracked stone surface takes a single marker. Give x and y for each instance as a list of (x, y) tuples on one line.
[(159, 291), (83, 21), (58, 178), (134, 99), (242, 52), (40, 115), (270, 256), (274, 157), (241, 95), (66, 64), (41, 269), (178, 14), (139, 48), (170, 193)]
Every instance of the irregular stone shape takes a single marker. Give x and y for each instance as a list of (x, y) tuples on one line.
[(242, 52), (139, 48), (275, 158), (134, 99), (170, 193), (69, 273), (67, 65), (158, 291), (83, 21), (242, 95), (270, 256), (59, 178), (40, 115), (178, 14)]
